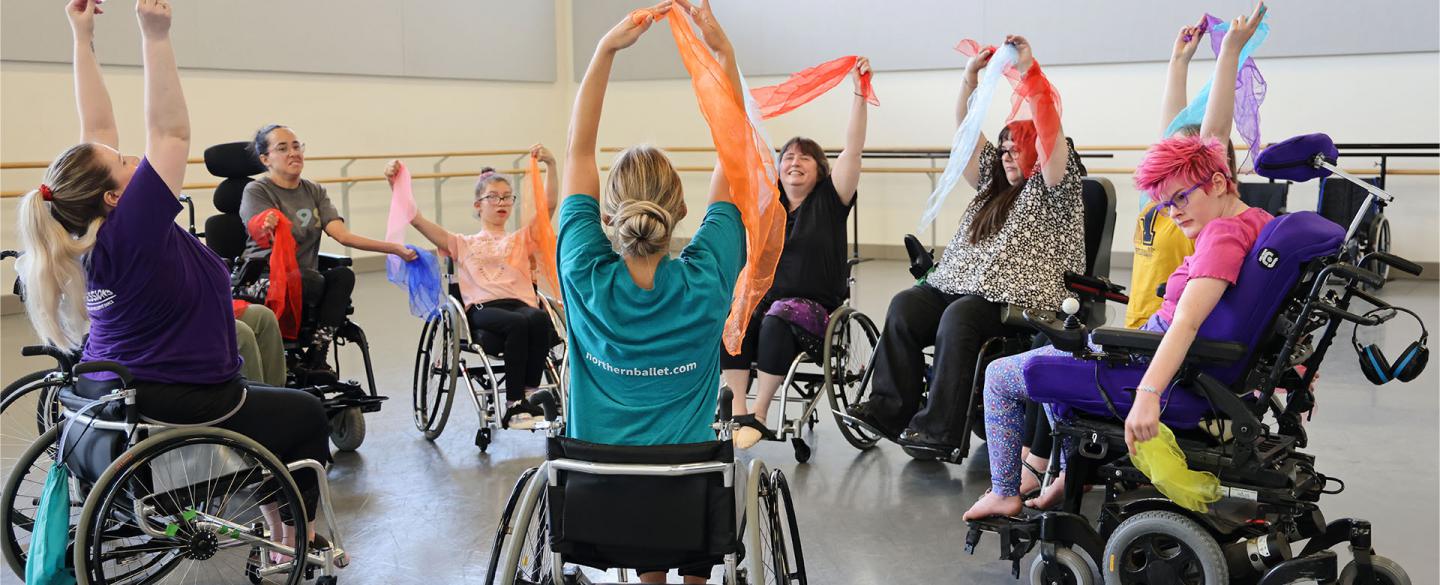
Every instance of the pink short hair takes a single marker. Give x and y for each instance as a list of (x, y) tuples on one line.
[(1190, 159)]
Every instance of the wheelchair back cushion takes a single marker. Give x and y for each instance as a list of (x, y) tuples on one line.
[(1098, 197), (1245, 314), (608, 521)]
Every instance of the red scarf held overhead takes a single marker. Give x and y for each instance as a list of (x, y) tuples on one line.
[(747, 166), (284, 295), (803, 87), (1032, 89)]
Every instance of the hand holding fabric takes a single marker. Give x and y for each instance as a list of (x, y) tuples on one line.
[(629, 29)]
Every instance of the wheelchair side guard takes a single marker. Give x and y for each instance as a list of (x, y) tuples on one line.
[(1018, 536), (1319, 567)]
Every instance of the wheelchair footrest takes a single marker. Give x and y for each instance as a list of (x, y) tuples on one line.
[(1018, 537)]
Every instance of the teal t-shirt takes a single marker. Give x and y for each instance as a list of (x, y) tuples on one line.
[(645, 364)]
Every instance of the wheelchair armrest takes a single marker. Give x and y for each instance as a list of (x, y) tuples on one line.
[(248, 271), (921, 260), (328, 261), (1147, 342), (1095, 288), (101, 366)]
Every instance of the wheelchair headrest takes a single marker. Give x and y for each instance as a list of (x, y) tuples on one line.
[(228, 194), (1268, 278), (566, 448), (232, 159), (1294, 158)]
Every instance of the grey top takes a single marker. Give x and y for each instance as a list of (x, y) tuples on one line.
[(1025, 262), (307, 207)]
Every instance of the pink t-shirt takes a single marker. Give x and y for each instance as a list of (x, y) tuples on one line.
[(486, 271), (1220, 251)]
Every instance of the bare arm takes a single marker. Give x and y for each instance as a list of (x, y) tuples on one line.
[(847, 166), (92, 100), (432, 231), (1199, 299), (1186, 42), (1220, 109), (336, 229), (167, 121), (552, 176), (962, 107)]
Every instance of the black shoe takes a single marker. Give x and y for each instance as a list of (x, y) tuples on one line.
[(522, 407), (914, 438), (749, 420), (865, 413)]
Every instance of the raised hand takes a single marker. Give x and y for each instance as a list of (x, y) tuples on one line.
[(1026, 58), (82, 17), (862, 66), (392, 168), (1186, 42), (154, 16), (542, 154), (978, 62), (1242, 29), (710, 29), (629, 29)]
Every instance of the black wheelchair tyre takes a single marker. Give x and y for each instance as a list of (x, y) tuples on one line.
[(20, 500), (1387, 572), (506, 516), (109, 507), (347, 429), (1378, 240), (437, 371), (1163, 547), (781, 488), (1069, 568), (847, 379)]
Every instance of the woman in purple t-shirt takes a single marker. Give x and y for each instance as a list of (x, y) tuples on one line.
[(104, 256), (1189, 179)]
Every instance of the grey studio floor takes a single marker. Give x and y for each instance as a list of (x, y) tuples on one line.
[(414, 511)]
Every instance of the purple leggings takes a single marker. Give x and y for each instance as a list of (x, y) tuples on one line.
[(1005, 396)]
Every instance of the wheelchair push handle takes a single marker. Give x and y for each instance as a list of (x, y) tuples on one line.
[(102, 366), (1354, 272), (1392, 261), (63, 359), (9, 254), (725, 407), (546, 401)]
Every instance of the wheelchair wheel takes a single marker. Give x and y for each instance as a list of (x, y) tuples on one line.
[(1387, 572), (1163, 547), (1378, 240), (24, 482), (30, 393), (767, 555), (1069, 568), (437, 371), (347, 429), (850, 342), (523, 539), (795, 572), (180, 507)]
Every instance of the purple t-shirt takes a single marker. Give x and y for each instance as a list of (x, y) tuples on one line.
[(159, 300)]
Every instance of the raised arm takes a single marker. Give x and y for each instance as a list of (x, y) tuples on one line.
[(1220, 109), (552, 175), (1054, 169), (582, 176), (92, 100), (962, 107), (1186, 42), (167, 121), (718, 42), (431, 230), (847, 167)]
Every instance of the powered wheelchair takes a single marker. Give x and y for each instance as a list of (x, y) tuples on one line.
[(648, 507), (346, 401), (441, 363), (152, 503), (1270, 331), (1093, 288)]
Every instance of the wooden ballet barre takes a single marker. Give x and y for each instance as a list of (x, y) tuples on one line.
[(1091, 170), (330, 180), (327, 157)]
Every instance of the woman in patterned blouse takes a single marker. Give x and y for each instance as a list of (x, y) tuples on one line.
[(1017, 238)]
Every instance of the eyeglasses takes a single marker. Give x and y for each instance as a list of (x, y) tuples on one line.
[(283, 149), (501, 199), (1013, 153), (1180, 200)]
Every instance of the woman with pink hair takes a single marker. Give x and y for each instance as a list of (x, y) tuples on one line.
[(1189, 179)]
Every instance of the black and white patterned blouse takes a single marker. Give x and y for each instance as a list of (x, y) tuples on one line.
[(1025, 262)]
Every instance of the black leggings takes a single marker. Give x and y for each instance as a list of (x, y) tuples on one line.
[(289, 423), (520, 333), (327, 295), (1036, 432), (769, 343), (957, 325)]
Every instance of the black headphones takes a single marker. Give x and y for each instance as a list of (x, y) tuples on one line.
[(1378, 369)]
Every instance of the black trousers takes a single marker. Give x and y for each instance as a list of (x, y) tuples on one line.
[(957, 325), (289, 423), (1036, 432), (520, 333), (327, 294), (769, 343)]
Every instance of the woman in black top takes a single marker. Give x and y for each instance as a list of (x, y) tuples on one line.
[(810, 280)]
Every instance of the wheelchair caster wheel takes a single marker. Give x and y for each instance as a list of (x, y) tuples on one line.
[(802, 451), (327, 580), (347, 429), (252, 566), (309, 572), (1387, 572), (482, 439)]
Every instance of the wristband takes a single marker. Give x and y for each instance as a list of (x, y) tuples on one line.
[(1150, 389)]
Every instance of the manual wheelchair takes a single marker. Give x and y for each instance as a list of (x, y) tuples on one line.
[(1270, 332), (345, 400), (652, 507), (441, 363), (153, 503), (1093, 288)]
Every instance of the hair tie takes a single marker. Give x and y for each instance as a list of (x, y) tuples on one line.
[(46, 193)]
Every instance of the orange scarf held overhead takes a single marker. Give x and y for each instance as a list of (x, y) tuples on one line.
[(803, 87), (542, 230), (1033, 90), (284, 295), (748, 165)]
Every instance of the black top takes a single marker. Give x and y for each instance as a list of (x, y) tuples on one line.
[(813, 264)]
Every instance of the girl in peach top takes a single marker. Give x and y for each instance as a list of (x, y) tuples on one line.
[(497, 272)]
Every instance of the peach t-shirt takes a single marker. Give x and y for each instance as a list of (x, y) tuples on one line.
[(490, 267)]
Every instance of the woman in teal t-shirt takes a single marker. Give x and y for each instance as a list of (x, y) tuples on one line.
[(644, 327)]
